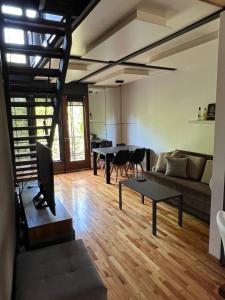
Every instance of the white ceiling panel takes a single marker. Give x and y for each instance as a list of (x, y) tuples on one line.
[(131, 35), (125, 74), (105, 15), (200, 35), (78, 70), (108, 15)]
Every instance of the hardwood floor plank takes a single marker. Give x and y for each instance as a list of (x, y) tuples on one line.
[(132, 262)]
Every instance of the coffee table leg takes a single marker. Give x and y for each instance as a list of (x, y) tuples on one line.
[(120, 195), (142, 199), (154, 218), (180, 209), (107, 168), (147, 151)]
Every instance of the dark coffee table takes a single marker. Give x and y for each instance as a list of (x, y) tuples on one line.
[(155, 192)]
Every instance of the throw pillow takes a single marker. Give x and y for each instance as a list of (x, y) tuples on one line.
[(195, 166), (176, 167), (206, 177), (161, 162)]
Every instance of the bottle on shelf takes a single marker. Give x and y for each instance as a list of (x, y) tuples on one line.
[(199, 113), (205, 114)]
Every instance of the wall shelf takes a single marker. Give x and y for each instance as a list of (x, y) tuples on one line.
[(202, 122)]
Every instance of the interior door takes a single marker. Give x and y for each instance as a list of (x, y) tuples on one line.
[(76, 133)]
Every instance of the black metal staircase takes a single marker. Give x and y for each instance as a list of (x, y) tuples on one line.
[(33, 91)]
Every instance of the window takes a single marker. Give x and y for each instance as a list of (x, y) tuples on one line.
[(6, 9), (42, 110), (75, 112), (14, 36), (56, 146), (30, 13)]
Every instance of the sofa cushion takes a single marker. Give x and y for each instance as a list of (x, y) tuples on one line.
[(206, 177), (176, 167), (59, 272), (161, 162), (195, 166)]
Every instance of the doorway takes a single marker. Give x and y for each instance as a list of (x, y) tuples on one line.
[(76, 133)]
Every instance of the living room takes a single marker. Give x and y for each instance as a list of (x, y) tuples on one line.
[(153, 93)]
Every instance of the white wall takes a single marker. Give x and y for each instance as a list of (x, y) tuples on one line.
[(7, 218), (156, 111), (219, 150), (105, 108)]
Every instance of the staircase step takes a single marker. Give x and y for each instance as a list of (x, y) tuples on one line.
[(19, 128), (31, 153), (29, 71), (19, 147), (32, 50), (31, 104), (26, 168), (26, 162), (24, 178), (26, 173), (28, 117), (39, 25), (33, 87), (31, 137), (38, 94)]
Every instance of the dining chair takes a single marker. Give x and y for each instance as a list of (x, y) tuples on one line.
[(120, 162), (105, 144), (136, 158)]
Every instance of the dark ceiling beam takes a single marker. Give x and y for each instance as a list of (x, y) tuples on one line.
[(88, 9), (80, 58), (42, 4), (220, 3), (153, 67), (65, 7), (178, 33), (126, 64), (58, 7)]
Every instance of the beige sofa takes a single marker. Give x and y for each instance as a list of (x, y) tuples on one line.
[(196, 192)]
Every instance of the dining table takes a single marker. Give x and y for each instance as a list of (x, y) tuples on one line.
[(108, 151)]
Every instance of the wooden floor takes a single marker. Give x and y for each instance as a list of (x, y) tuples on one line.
[(131, 261)]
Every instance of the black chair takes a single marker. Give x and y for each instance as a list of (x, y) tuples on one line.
[(136, 159), (94, 144), (105, 144), (120, 162)]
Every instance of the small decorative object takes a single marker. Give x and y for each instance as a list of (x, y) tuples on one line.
[(205, 114), (211, 112), (140, 177), (199, 113)]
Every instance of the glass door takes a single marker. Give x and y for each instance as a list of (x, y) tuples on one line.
[(76, 134)]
